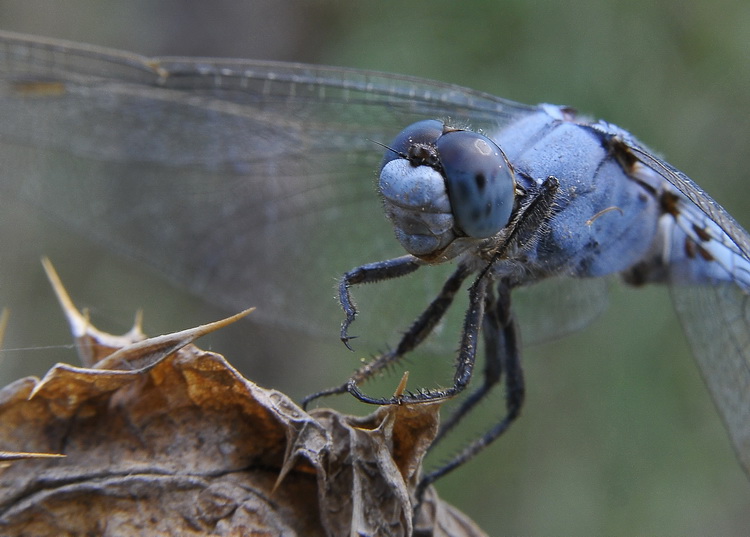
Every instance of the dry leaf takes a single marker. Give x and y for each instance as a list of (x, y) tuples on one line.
[(157, 437)]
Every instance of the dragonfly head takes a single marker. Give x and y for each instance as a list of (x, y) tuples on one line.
[(445, 188)]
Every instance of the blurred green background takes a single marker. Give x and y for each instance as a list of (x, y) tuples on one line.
[(618, 435)]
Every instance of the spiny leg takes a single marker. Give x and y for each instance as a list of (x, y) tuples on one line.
[(497, 317), (514, 396), (536, 211), (412, 338), (466, 355), (419, 329), (370, 273)]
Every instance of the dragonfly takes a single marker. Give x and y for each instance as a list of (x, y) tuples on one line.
[(245, 181)]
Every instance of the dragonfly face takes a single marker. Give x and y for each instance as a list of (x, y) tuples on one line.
[(446, 183)]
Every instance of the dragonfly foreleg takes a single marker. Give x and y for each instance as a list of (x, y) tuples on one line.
[(412, 338), (372, 272), (419, 329), (466, 355)]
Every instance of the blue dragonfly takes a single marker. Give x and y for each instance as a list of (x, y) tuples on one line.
[(246, 181)]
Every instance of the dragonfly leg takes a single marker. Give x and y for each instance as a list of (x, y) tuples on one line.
[(510, 365), (370, 273), (412, 338), (498, 335), (466, 355), (419, 329)]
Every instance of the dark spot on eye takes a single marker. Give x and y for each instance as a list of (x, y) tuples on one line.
[(475, 215), (481, 181), (463, 191)]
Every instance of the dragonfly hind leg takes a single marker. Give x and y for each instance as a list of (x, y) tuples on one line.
[(500, 336), (503, 360)]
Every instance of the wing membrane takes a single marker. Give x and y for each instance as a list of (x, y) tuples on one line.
[(247, 182), (715, 320), (716, 316)]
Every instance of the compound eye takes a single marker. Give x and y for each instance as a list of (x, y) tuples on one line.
[(421, 132), (479, 180)]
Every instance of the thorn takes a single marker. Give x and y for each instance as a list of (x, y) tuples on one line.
[(401, 386), (23, 455), (4, 317)]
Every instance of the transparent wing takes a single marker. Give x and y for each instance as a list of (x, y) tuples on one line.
[(715, 316), (249, 183), (559, 306), (716, 320)]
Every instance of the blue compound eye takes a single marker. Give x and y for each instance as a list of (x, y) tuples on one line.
[(479, 181), (421, 132)]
